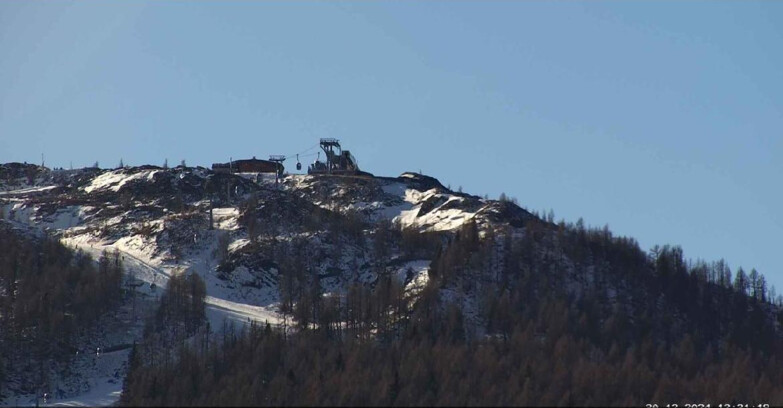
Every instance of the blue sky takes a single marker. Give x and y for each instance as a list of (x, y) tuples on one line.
[(662, 119)]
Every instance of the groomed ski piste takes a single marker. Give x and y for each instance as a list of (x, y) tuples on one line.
[(105, 387)]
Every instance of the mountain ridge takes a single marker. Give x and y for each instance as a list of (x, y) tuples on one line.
[(259, 243)]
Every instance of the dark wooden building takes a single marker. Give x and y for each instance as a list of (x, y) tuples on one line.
[(248, 166)]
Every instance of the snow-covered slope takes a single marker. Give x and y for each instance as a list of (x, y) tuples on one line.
[(413, 200), (159, 219)]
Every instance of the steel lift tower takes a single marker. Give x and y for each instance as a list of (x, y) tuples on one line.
[(278, 159), (337, 160)]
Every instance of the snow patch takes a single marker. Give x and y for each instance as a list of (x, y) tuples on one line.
[(437, 218), (114, 180), (414, 274), (226, 218), (65, 218), (26, 190)]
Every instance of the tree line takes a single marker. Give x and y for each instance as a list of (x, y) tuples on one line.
[(566, 315)]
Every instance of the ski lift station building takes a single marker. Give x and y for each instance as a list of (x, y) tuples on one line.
[(248, 166)]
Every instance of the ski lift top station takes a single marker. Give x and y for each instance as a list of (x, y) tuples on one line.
[(338, 161)]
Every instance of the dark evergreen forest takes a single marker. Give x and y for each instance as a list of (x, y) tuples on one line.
[(568, 316), (50, 294)]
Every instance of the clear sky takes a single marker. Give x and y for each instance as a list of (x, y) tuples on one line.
[(662, 119)]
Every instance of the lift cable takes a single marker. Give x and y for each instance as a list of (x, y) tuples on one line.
[(303, 151)]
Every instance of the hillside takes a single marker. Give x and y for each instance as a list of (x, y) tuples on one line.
[(389, 273)]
